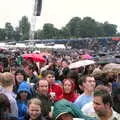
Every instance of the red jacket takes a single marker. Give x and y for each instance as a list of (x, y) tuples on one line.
[(55, 87)]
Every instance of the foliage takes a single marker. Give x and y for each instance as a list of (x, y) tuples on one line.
[(24, 28), (9, 31), (75, 28)]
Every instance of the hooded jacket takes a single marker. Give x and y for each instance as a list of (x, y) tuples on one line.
[(22, 105), (63, 106)]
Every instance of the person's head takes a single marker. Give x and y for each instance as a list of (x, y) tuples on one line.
[(13, 68), (20, 76), (88, 83), (7, 79), (42, 87), (65, 116), (102, 102), (24, 91), (49, 76), (28, 68), (23, 95), (4, 104), (34, 108), (64, 63), (68, 86), (116, 97)]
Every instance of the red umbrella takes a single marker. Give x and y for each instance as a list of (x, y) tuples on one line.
[(34, 57)]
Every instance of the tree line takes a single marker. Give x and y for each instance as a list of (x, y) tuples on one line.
[(75, 28)]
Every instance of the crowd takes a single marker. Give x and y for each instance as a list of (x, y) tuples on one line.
[(50, 90)]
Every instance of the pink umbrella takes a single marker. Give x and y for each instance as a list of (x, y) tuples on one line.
[(86, 57)]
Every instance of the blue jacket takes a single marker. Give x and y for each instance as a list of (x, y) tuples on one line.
[(22, 105)]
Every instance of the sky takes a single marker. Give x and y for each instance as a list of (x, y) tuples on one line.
[(59, 12)]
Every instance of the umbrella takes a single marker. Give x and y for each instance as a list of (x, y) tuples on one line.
[(86, 57), (81, 63), (112, 67), (34, 57)]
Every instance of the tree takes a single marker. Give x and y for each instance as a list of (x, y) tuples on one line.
[(24, 28), (39, 34), (9, 31), (17, 34), (109, 29), (65, 32), (48, 31), (88, 27), (2, 34), (74, 27)]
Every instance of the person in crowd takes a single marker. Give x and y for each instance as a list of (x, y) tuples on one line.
[(7, 82), (34, 110), (1, 67), (29, 69), (116, 97), (5, 109), (88, 84), (69, 90), (43, 95), (65, 110), (88, 108), (20, 76), (23, 95), (54, 89), (102, 103), (13, 68)]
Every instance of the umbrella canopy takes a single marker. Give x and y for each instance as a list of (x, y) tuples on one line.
[(112, 67), (34, 57), (86, 57), (81, 63)]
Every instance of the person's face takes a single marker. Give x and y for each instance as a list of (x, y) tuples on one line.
[(89, 84), (67, 86), (19, 77), (43, 87), (50, 78), (27, 70), (23, 95), (64, 64), (34, 111), (13, 70), (99, 107)]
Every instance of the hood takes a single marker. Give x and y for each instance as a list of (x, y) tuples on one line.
[(24, 86), (64, 106)]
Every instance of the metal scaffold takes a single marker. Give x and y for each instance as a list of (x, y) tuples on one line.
[(36, 12)]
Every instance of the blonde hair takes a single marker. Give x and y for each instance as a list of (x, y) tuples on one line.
[(7, 79), (35, 101)]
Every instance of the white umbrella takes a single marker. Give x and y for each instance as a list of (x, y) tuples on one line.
[(81, 63)]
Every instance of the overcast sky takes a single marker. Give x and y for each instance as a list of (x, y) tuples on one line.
[(59, 12)]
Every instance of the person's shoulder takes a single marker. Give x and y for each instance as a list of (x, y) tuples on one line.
[(116, 115)]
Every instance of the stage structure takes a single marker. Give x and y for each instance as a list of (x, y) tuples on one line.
[(36, 12)]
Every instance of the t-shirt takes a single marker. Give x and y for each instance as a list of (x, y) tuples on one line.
[(82, 100)]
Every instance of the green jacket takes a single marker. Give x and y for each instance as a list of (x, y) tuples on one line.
[(64, 106)]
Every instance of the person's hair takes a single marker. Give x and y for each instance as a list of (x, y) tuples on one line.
[(104, 94), (83, 79), (47, 72), (35, 101), (7, 79), (4, 104), (22, 72), (38, 83), (30, 65), (116, 99)]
